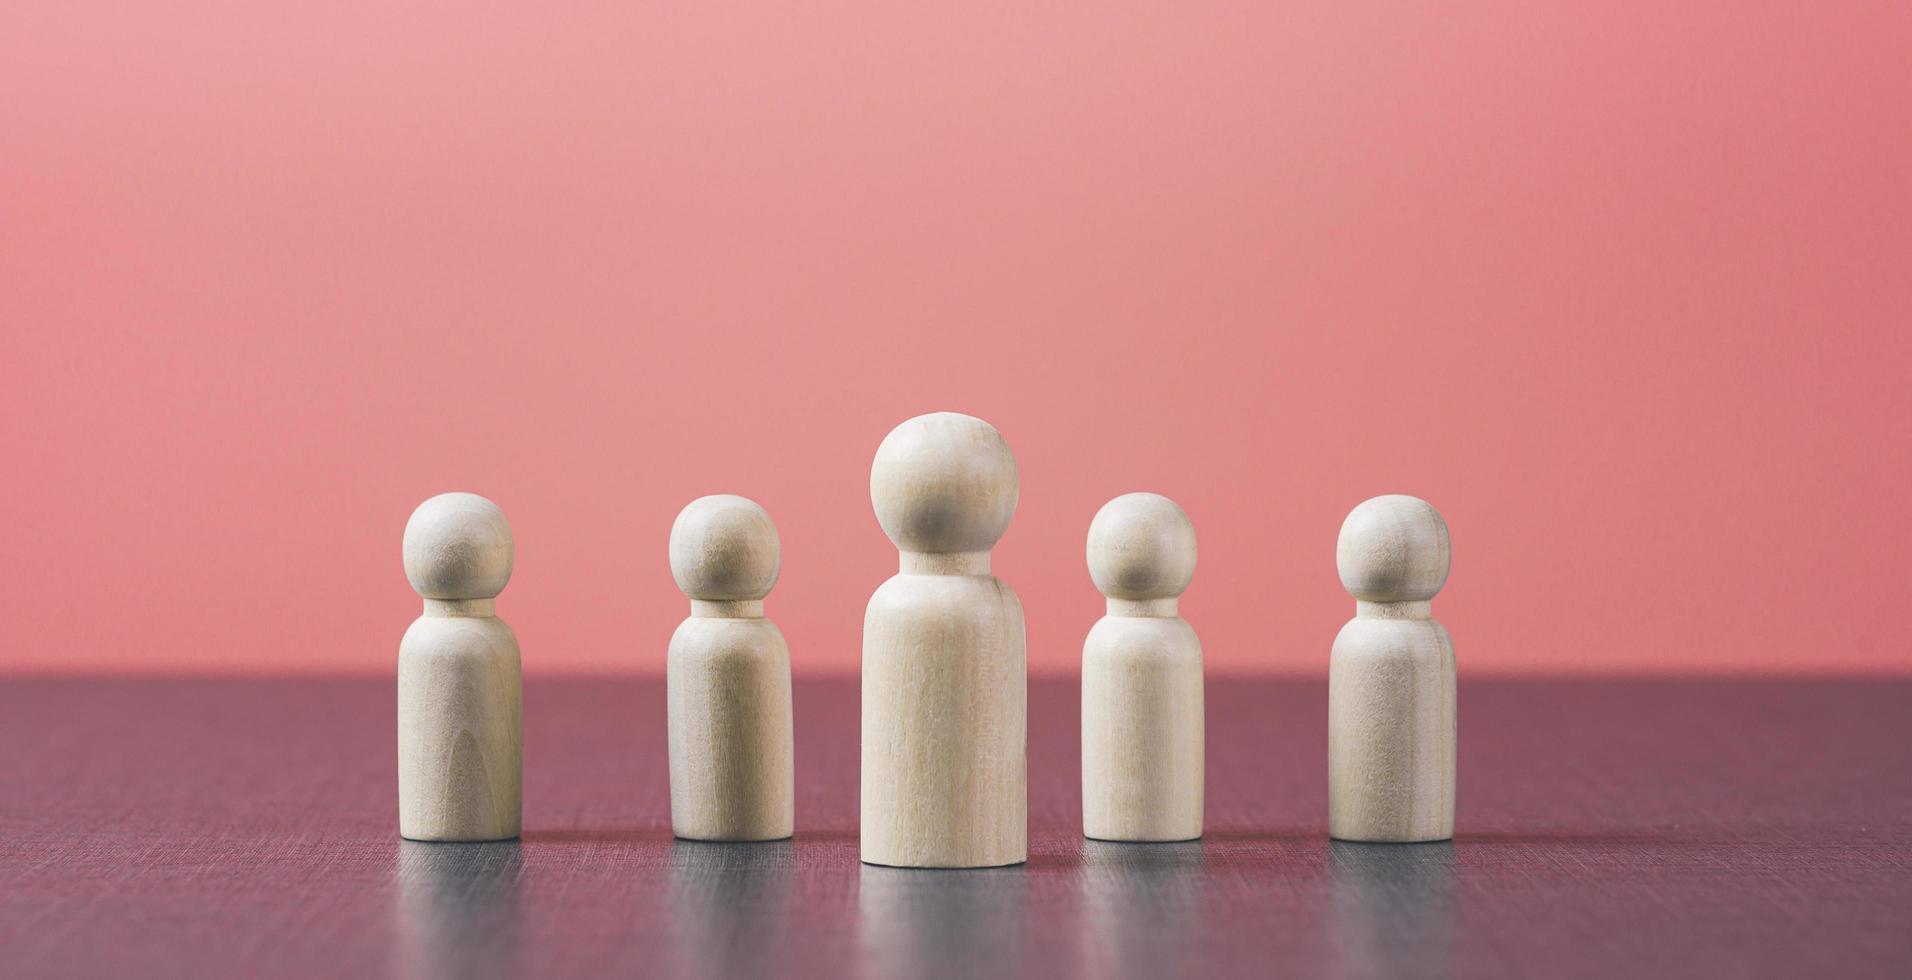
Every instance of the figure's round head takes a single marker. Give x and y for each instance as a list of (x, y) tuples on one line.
[(458, 546), (944, 484), (724, 548), (1141, 546), (1393, 549)]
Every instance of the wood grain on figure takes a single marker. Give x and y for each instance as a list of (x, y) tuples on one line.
[(1142, 746), (731, 764), (1391, 679), (945, 679), (460, 728)]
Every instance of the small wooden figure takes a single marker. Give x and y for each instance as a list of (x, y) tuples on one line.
[(1142, 678), (945, 680), (460, 732), (731, 764), (1391, 679)]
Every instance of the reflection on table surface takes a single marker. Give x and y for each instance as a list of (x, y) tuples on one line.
[(1623, 828), (458, 908), (1081, 908)]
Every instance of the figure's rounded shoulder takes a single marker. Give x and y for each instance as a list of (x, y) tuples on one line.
[(1135, 636), (716, 632), (722, 643), (941, 589), (944, 597), (1368, 637), (458, 636)]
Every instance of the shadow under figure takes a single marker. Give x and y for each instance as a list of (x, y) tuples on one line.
[(729, 907), (1393, 909), (940, 923), (1141, 907), (458, 909)]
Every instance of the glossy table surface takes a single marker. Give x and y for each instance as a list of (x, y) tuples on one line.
[(1606, 829)]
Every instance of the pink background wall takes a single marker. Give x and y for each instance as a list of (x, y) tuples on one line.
[(1621, 288)]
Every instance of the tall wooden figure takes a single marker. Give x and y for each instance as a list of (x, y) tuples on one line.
[(945, 679), (729, 678), (460, 731), (1391, 679), (1142, 678)]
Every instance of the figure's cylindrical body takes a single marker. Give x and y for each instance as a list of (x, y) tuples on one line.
[(1391, 728), (945, 689), (731, 764), (460, 730), (1142, 729)]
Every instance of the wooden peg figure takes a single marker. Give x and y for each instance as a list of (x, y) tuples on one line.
[(460, 733), (731, 764), (945, 682), (1142, 678), (1391, 679)]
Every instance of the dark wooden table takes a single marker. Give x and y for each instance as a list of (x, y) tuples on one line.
[(1607, 829)]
